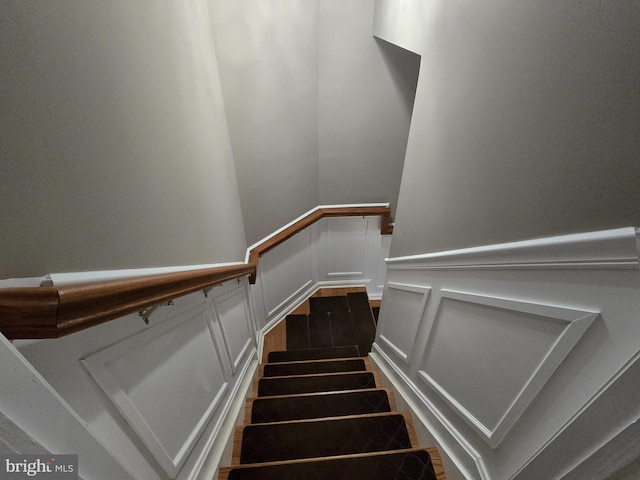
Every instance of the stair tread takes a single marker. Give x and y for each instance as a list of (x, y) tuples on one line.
[(269, 386), (328, 304), (314, 354), (333, 404), (330, 437), (316, 366), (406, 464), (297, 328)]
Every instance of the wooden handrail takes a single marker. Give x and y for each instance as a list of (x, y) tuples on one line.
[(52, 312), (385, 227)]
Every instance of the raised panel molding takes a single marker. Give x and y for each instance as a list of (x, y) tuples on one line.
[(285, 271), (346, 241), (503, 352), (406, 304), (173, 367), (233, 314)]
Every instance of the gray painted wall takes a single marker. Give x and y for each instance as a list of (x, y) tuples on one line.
[(318, 110), (526, 120), (268, 58), (115, 148), (367, 88)]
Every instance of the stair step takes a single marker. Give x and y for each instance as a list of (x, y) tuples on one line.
[(311, 367), (307, 406), (314, 354), (362, 316), (315, 383), (328, 304), (334, 436), (297, 327), (415, 464)]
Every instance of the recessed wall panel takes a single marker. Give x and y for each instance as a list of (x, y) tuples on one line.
[(166, 382), (284, 270), (402, 313), (346, 247), (488, 357), (233, 314)]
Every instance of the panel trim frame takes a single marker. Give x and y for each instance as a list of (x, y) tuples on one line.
[(96, 365), (327, 251), (241, 291), (406, 357), (576, 323)]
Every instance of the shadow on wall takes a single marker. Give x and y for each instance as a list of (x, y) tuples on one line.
[(404, 67)]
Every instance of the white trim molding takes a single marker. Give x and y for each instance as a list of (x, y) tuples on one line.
[(608, 249), (411, 307), (573, 324), (519, 356)]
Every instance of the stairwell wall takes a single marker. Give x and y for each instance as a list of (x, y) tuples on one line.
[(519, 358), (115, 150), (523, 130), (524, 123), (161, 398), (366, 93)]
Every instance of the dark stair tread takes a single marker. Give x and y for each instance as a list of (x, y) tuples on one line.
[(344, 330), (363, 319), (316, 366), (414, 464), (320, 335), (314, 354), (315, 383), (334, 436), (359, 402), (328, 304), (297, 328)]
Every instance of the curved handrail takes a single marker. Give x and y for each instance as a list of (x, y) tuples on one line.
[(52, 312), (385, 227)]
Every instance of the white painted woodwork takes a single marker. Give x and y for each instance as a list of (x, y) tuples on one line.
[(343, 251), (521, 362), (160, 396), (34, 418), (232, 311), (284, 271), (502, 352), (345, 247), (406, 305), (167, 415)]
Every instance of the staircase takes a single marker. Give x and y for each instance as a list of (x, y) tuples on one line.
[(318, 411)]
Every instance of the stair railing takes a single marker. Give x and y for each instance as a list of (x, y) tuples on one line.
[(52, 312)]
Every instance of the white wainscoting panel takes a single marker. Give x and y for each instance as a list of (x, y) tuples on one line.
[(232, 311), (401, 315), (502, 352), (346, 241), (285, 271), (166, 381)]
